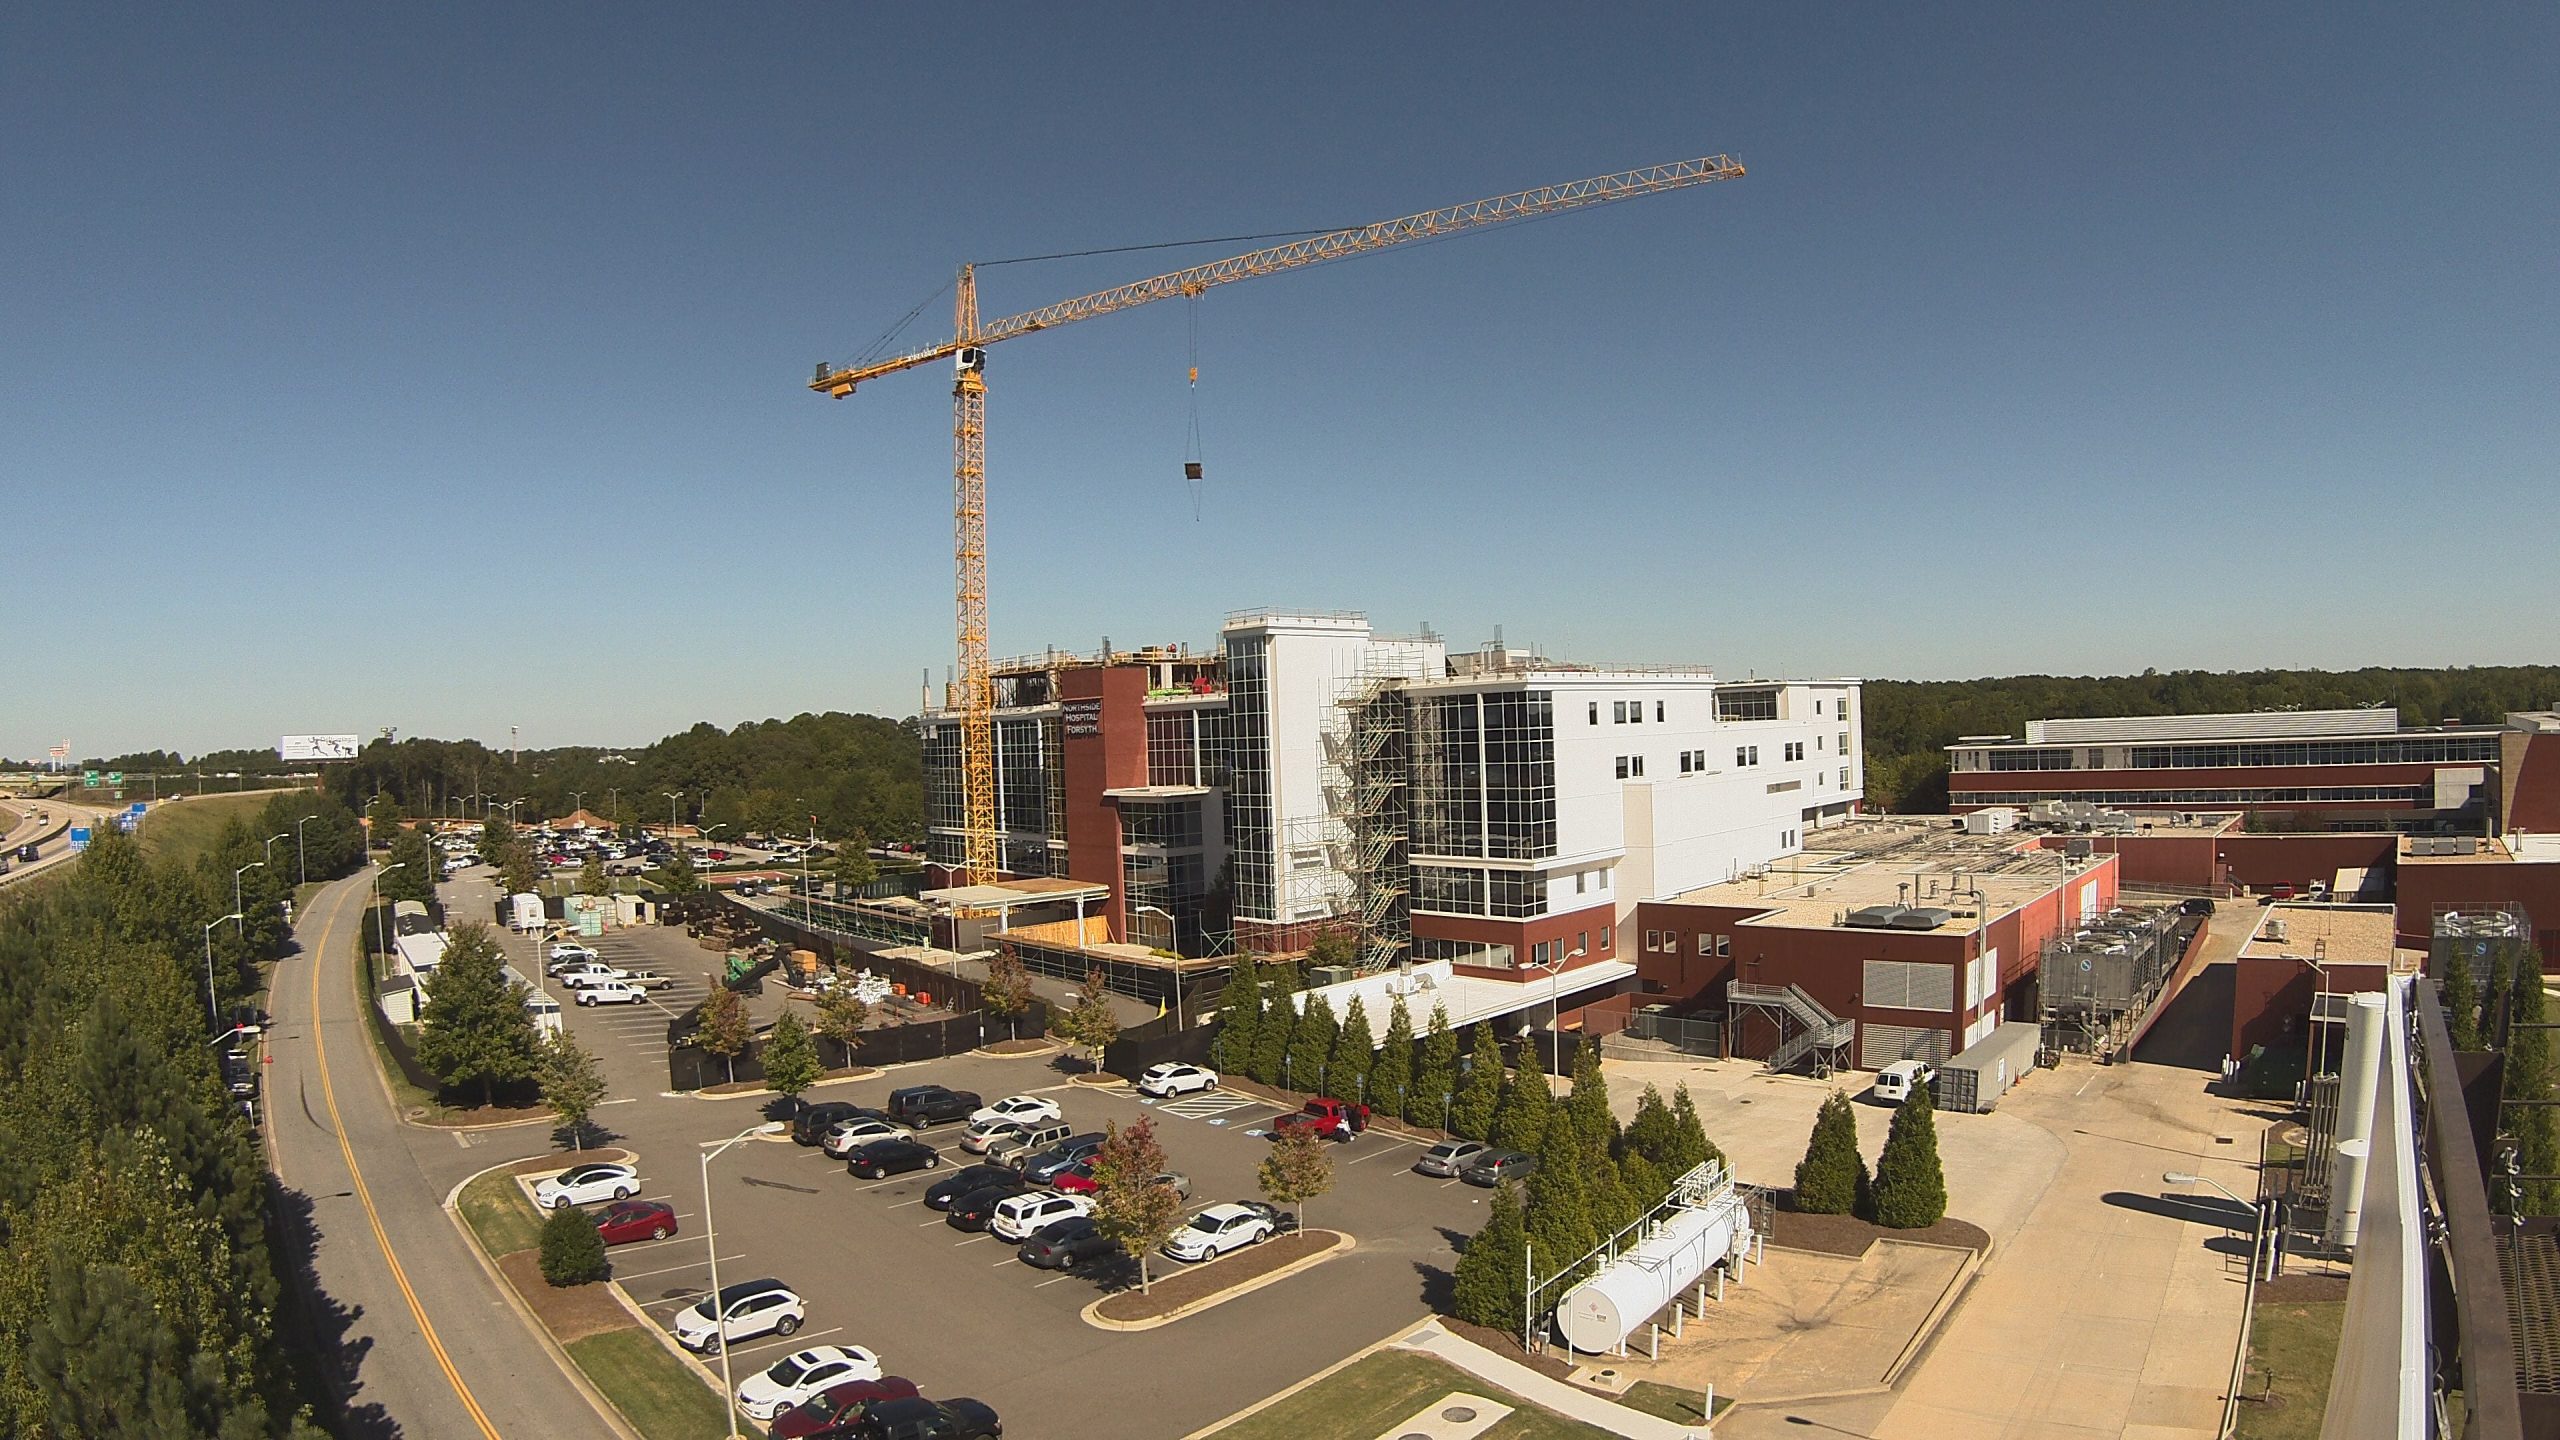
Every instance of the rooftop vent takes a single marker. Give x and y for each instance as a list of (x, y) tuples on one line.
[(1876, 917), (1921, 917)]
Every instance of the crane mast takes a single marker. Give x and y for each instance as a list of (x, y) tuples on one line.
[(982, 851)]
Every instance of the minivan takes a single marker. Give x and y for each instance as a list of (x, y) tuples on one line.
[(1895, 1081)]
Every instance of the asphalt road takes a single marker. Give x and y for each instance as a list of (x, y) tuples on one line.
[(51, 837), (420, 1341)]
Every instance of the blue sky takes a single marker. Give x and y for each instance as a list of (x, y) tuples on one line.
[(443, 368)]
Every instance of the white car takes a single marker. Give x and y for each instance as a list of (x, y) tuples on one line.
[(798, 1377), (1174, 1078), (610, 992), (584, 1184), (571, 950), (1217, 1230), (860, 1130), (1024, 1216), (1025, 1108), (746, 1309)]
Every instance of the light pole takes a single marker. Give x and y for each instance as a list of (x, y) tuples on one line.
[(236, 906), (1173, 938), (711, 1237), (380, 946), (672, 797), (269, 852), (301, 866), (2258, 1232), (577, 800), (1555, 997), (213, 1007)]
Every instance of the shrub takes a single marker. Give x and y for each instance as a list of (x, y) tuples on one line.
[(572, 1251), (1910, 1188), (1832, 1177)]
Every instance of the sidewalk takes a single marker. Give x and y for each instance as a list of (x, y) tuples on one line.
[(1512, 1377)]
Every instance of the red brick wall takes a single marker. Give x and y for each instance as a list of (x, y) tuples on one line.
[(1567, 930), (1112, 758), (1961, 783), (2427, 885), (2271, 997), (2183, 860), (2258, 861), (2529, 784)]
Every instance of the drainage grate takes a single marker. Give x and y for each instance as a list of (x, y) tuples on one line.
[(2529, 1262)]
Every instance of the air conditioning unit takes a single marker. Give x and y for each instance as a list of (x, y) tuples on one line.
[(1328, 974)]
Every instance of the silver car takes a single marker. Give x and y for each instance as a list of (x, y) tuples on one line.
[(1449, 1158)]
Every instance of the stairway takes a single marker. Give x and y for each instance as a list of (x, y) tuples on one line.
[(1815, 1027)]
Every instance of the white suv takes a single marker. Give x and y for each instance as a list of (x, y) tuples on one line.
[(1217, 1230), (748, 1309), (1024, 1216), (1174, 1078)]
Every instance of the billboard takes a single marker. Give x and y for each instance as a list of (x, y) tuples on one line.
[(316, 747)]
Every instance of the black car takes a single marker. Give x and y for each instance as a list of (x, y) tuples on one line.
[(1495, 1166), (922, 1419), (2196, 906), (1042, 1168), (876, 1159), (1067, 1244), (812, 1124), (944, 1193), (920, 1106), (26, 854), (973, 1210)]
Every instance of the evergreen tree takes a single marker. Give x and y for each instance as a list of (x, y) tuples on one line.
[(1435, 1077), (1520, 1116), (679, 878), (1910, 1189), (572, 1248), (572, 1083), (2459, 994), (474, 1029), (1239, 1019), (854, 866), (790, 1060), (1643, 1181), (1272, 1036), (2531, 1076), (1559, 1203), (1589, 1103), (1479, 1091), (517, 872), (1311, 1045), (1613, 1206), (1355, 1053), (415, 879), (1690, 1145), (382, 821), (1391, 1078), (2501, 983), (591, 878), (1649, 1132), (1832, 1177), (1487, 1288)]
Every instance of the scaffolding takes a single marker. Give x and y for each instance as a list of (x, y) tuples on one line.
[(2096, 982), (1367, 765)]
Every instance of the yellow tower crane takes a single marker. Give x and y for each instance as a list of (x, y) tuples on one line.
[(968, 346)]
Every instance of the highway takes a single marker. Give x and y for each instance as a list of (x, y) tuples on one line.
[(50, 834)]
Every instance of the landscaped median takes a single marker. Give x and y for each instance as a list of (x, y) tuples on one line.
[(1215, 1282), (656, 1393), (1373, 1395)]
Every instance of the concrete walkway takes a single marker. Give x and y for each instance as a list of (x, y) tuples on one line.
[(1512, 1377)]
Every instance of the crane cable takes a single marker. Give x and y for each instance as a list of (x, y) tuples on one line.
[(1191, 457)]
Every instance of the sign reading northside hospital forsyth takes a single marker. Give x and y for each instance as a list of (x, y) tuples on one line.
[(316, 747)]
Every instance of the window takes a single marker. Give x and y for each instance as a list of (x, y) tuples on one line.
[(1741, 755), (1817, 707), (1604, 937), (1844, 777), (1821, 742), (1622, 767), (1746, 705), (1604, 882), (1795, 750), (1582, 941), (1595, 712), (1844, 742), (1724, 946), (1706, 944), (1635, 712), (1579, 876), (1515, 895), (1618, 713), (1657, 712), (1684, 761), (1638, 762), (1652, 941)]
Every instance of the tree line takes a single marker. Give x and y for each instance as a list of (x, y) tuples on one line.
[(1909, 723), (139, 1292)]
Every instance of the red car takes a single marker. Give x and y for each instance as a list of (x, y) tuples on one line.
[(719, 854), (835, 1411), (1076, 1179), (627, 1220)]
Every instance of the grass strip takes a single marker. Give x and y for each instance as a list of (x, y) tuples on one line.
[(494, 1207), (1387, 1389), (656, 1392), (2292, 1346)]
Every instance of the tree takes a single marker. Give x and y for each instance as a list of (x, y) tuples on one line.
[(1092, 1024), (1589, 1103), (1690, 1145), (1391, 1076), (1479, 1091), (572, 1248), (1355, 1053), (1006, 992), (1271, 1040), (1334, 947), (495, 834), (1832, 1177), (2531, 1076), (474, 1029), (2459, 993), (1559, 1199), (382, 821), (854, 866), (790, 1061), (1311, 1045), (724, 1029), (680, 877), (1129, 1206), (1435, 1079), (841, 1016), (415, 879), (1520, 1116), (572, 1083), (1239, 1019), (1643, 1181), (1910, 1189), (1489, 1288), (517, 872), (1650, 1132), (1296, 1171), (591, 878)]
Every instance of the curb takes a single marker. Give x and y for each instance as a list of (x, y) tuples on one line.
[(605, 1409), (1345, 1244), (867, 1073), (1937, 1316), (1042, 1053)]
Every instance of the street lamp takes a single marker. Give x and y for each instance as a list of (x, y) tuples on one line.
[(1173, 937), (711, 1238), (1555, 999), (2258, 1232), (380, 946), (236, 906), (301, 866), (213, 1007), (269, 852), (672, 797)]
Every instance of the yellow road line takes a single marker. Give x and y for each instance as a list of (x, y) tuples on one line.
[(364, 1196)]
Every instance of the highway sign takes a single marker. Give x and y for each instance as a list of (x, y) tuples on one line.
[(316, 747), (89, 778), (115, 777), (79, 837)]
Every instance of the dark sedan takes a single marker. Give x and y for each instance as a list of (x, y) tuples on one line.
[(1067, 1244), (1495, 1166), (625, 1221), (973, 1210), (927, 1420), (942, 1194), (875, 1159), (834, 1412)]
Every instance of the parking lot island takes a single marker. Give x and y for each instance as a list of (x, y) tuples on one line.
[(1203, 1286)]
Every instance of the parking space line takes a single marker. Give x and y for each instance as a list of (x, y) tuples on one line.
[(672, 1269), (903, 1204), (933, 1222), (1372, 1155), (1014, 1259), (972, 1240), (1045, 1284), (795, 1341)]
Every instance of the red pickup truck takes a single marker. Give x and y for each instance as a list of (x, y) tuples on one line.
[(1332, 1119)]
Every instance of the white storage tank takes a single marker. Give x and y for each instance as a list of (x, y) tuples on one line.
[(1598, 1314)]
